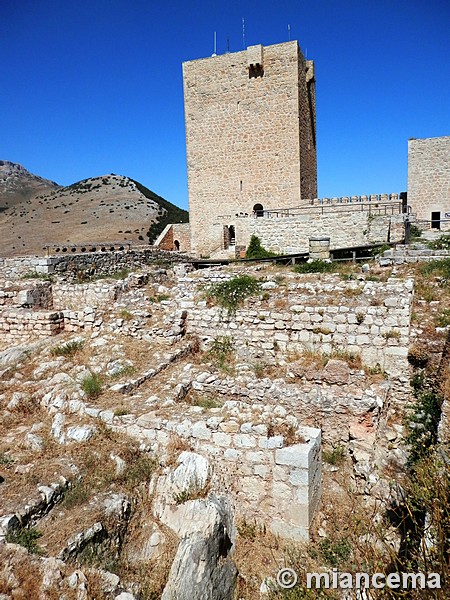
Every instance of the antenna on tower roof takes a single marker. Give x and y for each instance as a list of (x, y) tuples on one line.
[(228, 43), (289, 32), (243, 33), (215, 44)]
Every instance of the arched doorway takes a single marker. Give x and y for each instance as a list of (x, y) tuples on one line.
[(258, 210)]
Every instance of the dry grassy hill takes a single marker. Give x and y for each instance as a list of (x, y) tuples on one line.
[(107, 208), (17, 184)]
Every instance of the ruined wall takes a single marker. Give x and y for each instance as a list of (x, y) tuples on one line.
[(429, 177), (20, 324), (250, 118), (372, 322), (175, 236), (99, 294), (273, 482), (95, 263)]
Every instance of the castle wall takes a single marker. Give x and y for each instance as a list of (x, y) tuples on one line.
[(250, 135), (289, 235), (429, 178)]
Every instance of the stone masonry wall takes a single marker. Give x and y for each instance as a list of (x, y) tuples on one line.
[(272, 482), (95, 263), (99, 293), (250, 135), (429, 177), (20, 324), (286, 235), (173, 234), (373, 322)]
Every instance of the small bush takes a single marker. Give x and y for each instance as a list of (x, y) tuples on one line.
[(68, 349), (231, 294), (220, 351), (92, 385), (193, 492), (159, 298), (335, 552), (256, 250), (415, 231), (437, 267), (125, 314), (205, 402), (418, 356), (443, 320), (315, 266), (442, 243), (335, 456), (76, 495), (26, 538)]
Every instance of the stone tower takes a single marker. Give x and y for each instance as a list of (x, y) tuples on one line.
[(250, 138)]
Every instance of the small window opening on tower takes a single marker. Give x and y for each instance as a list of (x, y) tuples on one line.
[(258, 210), (255, 70), (176, 243), (240, 186)]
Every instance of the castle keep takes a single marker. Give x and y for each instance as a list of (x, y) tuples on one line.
[(250, 137)]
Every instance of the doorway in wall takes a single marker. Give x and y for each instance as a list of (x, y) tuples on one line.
[(229, 236), (435, 220), (258, 209)]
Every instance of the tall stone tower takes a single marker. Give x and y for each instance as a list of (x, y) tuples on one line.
[(250, 138)]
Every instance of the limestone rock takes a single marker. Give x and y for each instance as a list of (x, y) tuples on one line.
[(202, 568)]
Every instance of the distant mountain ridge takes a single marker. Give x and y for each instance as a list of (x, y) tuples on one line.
[(35, 212), (17, 184)]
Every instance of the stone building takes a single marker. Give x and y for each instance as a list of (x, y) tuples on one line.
[(429, 180), (250, 138)]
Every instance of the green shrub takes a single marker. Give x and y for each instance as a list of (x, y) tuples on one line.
[(442, 243), (68, 349), (335, 552), (415, 231), (314, 266), (256, 250), (335, 456), (423, 419), (220, 351), (443, 320), (437, 267), (26, 538), (92, 385), (231, 294)]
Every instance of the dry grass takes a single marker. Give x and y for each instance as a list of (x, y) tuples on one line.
[(174, 448)]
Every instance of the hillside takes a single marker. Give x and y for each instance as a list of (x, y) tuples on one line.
[(106, 208), (17, 184)]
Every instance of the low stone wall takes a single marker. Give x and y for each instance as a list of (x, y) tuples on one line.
[(20, 324), (411, 254), (85, 319), (95, 263), (99, 293), (374, 322), (274, 483)]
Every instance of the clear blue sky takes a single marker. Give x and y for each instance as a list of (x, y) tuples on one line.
[(93, 87)]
